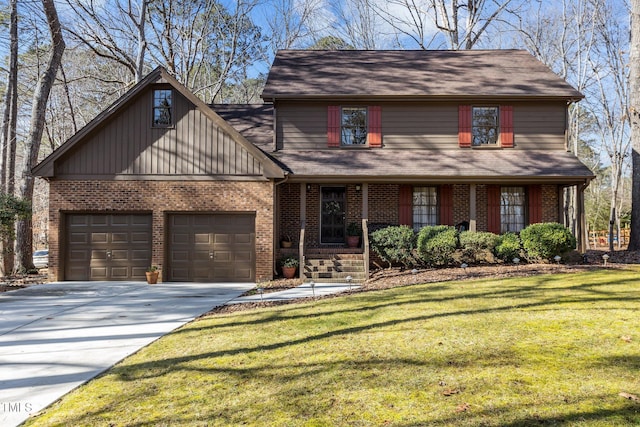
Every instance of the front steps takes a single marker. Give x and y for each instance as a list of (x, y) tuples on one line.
[(334, 267)]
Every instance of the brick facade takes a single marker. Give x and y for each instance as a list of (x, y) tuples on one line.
[(159, 198)]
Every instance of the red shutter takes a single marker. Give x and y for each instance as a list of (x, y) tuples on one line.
[(535, 204), (333, 126), (506, 126), (374, 131), (464, 126), (493, 208), (405, 210), (446, 204)]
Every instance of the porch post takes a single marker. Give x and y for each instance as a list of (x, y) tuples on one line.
[(365, 200), (473, 211), (303, 226)]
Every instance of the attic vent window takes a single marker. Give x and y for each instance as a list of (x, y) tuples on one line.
[(162, 108)]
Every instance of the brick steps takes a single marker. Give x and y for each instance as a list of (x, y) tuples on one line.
[(325, 267)]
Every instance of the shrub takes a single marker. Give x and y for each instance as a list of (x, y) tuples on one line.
[(478, 246), (436, 244), (394, 244), (545, 240), (507, 246)]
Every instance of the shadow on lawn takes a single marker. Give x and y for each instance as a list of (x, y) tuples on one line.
[(407, 295), (593, 291)]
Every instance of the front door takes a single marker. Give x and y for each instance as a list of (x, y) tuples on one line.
[(332, 214)]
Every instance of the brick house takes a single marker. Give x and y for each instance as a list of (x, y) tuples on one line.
[(469, 138)]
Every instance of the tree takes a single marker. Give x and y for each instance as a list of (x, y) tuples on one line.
[(11, 209), (24, 234), (634, 110)]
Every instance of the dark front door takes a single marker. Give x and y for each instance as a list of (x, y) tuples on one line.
[(332, 215)]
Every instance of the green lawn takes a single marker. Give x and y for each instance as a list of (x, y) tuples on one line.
[(544, 350)]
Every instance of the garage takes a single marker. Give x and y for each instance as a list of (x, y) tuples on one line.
[(107, 246), (211, 248)]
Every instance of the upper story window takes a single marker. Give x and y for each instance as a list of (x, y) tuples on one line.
[(162, 108), (353, 126), (485, 124)]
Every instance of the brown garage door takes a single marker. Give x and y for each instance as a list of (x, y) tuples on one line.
[(211, 248), (107, 247)]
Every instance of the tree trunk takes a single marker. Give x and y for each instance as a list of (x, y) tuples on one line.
[(634, 81), (40, 98)]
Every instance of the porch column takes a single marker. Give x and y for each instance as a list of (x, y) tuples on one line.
[(473, 212), (365, 201), (303, 204), (303, 222)]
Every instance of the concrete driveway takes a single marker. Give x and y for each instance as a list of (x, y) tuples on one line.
[(55, 337)]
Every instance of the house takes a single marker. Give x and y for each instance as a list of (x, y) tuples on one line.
[(470, 138)]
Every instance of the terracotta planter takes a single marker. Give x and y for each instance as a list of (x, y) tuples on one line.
[(286, 244), (353, 241), (289, 272), (152, 277)]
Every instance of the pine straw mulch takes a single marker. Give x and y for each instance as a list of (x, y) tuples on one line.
[(396, 277)]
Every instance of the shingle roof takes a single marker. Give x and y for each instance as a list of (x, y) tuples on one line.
[(253, 121), (412, 73), (470, 166)]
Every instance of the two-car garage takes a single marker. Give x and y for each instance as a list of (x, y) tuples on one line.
[(198, 247)]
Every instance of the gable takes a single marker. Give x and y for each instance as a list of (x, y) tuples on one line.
[(123, 144)]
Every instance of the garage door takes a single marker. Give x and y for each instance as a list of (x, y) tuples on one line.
[(107, 247), (211, 248)]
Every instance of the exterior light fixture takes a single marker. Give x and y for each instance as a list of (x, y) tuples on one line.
[(349, 279), (414, 271), (261, 291), (516, 261), (313, 287), (358, 187), (605, 258), (464, 266), (557, 258)]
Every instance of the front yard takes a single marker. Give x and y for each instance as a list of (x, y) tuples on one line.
[(539, 350)]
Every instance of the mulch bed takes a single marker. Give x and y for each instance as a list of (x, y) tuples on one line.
[(394, 277)]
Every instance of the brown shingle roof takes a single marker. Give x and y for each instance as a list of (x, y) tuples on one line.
[(253, 121), (412, 73), (450, 166)]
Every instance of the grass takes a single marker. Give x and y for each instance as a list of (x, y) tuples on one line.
[(542, 350)]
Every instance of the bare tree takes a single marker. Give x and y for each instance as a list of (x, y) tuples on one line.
[(455, 24), (24, 234), (357, 22), (634, 110), (114, 30), (290, 22)]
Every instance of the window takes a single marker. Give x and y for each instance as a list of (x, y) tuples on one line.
[(354, 126), (484, 126), (512, 209), (162, 108), (425, 207)]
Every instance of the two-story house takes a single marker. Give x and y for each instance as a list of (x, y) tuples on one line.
[(470, 138)]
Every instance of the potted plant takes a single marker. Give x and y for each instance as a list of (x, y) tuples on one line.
[(289, 266), (354, 231), (286, 242), (152, 275)]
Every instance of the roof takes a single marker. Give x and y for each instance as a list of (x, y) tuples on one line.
[(253, 121), (413, 73), (46, 168), (481, 166)]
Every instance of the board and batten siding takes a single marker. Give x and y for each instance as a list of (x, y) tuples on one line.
[(127, 145), (537, 125)]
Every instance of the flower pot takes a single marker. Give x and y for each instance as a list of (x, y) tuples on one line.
[(289, 272), (353, 241), (152, 277), (286, 243)]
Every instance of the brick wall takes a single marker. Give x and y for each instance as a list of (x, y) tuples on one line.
[(383, 203), (460, 203), (550, 207), (158, 198)]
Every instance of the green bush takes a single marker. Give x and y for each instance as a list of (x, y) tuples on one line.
[(477, 246), (508, 246), (436, 244), (545, 240), (394, 244)]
